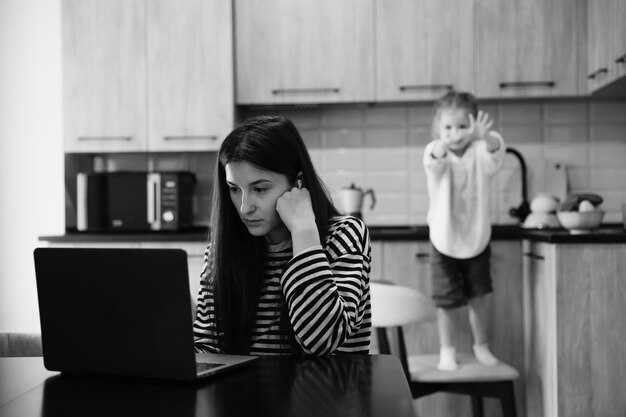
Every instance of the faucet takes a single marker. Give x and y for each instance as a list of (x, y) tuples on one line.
[(523, 209)]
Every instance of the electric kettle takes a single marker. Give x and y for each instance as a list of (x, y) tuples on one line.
[(350, 200)]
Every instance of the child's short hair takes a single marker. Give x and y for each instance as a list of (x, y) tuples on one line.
[(455, 99)]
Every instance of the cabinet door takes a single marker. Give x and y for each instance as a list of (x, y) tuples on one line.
[(606, 42), (104, 75), (190, 74), (528, 48), (423, 48), (540, 332), (304, 51)]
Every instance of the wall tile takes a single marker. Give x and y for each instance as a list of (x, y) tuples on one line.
[(385, 182), (385, 137), (389, 159), (607, 178), (578, 179), (570, 154), (342, 160), (343, 118), (515, 134), (421, 115), (395, 116), (608, 132), (335, 181), (517, 113), (312, 138), (566, 134), (342, 138), (303, 118), (608, 155), (566, 112), (608, 111)]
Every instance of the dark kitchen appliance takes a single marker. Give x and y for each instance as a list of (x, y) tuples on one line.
[(134, 201)]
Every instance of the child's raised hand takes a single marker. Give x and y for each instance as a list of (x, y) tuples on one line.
[(439, 149), (480, 125)]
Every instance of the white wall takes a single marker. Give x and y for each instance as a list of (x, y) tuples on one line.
[(31, 151)]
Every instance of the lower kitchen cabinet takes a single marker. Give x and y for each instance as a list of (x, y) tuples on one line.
[(574, 332), (408, 263), (195, 254)]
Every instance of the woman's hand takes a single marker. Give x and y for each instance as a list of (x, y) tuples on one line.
[(480, 125), (296, 211)]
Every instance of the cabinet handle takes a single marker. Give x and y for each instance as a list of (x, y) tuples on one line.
[(597, 72), (207, 137), (423, 87), (621, 59), (279, 91), (103, 138), (524, 84), (534, 256), (422, 255)]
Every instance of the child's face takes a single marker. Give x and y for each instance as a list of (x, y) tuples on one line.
[(454, 128)]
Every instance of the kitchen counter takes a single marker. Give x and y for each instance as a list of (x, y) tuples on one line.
[(610, 233)]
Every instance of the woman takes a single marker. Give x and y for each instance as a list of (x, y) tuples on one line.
[(284, 273)]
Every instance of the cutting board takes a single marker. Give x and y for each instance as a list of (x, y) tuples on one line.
[(556, 179)]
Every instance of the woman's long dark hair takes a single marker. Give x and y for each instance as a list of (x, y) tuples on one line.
[(271, 143)]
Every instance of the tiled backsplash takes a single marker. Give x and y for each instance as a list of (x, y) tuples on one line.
[(381, 147)]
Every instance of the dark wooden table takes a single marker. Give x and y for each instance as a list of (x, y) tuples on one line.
[(355, 385)]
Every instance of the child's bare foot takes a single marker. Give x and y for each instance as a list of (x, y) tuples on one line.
[(484, 355), (447, 359)]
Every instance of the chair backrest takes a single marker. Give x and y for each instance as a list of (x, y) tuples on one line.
[(397, 305), (394, 306), (13, 344)]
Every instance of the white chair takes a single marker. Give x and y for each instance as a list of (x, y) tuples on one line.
[(394, 306)]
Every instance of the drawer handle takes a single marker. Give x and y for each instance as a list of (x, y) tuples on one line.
[(534, 256), (207, 137), (426, 87), (524, 84), (422, 255), (597, 72), (280, 91), (621, 59), (104, 138)]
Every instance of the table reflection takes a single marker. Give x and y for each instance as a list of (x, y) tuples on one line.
[(354, 385)]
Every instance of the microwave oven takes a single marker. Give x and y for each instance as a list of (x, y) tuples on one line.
[(134, 201)]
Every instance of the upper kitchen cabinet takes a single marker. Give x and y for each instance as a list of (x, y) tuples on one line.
[(190, 74), (423, 48), (529, 48), (147, 75), (606, 47), (104, 75), (304, 51)]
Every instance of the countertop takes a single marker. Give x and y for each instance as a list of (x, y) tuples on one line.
[(610, 233)]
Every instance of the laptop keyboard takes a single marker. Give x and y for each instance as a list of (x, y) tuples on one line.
[(203, 366)]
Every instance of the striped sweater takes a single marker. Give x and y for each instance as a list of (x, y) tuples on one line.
[(326, 289)]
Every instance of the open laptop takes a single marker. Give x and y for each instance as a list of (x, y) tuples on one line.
[(120, 312)]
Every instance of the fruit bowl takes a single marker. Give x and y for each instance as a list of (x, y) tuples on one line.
[(580, 222)]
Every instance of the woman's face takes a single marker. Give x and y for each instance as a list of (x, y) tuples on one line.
[(254, 192), (454, 128)]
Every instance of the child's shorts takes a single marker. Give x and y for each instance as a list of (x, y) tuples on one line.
[(455, 281)]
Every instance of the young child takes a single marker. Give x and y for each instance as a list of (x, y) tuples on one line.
[(460, 163)]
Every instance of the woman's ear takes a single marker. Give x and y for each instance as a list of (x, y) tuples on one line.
[(300, 180)]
